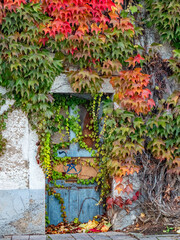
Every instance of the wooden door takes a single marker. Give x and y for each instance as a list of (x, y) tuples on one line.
[(80, 201)]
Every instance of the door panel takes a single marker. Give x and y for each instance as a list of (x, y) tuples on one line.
[(80, 202)]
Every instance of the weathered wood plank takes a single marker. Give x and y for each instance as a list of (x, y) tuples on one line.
[(88, 199), (73, 203), (54, 208)]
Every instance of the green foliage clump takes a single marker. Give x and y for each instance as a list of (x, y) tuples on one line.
[(126, 136), (165, 16), (27, 68), (174, 64), (2, 126)]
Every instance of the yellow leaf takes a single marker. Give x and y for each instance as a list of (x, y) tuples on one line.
[(119, 188), (104, 228), (142, 215), (89, 225)]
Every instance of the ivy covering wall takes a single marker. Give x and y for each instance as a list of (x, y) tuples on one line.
[(38, 41)]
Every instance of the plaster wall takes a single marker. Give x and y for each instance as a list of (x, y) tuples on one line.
[(22, 182)]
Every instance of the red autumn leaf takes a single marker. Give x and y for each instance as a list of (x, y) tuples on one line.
[(132, 60), (128, 189), (130, 91), (109, 202), (73, 50), (134, 198), (119, 202), (128, 202), (76, 13), (43, 40), (138, 58), (151, 103), (137, 193), (145, 93), (93, 230)]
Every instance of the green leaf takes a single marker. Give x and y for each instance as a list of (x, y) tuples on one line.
[(133, 9)]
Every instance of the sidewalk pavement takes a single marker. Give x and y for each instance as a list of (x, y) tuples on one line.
[(94, 236)]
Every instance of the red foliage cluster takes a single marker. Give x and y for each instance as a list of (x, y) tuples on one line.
[(120, 202), (75, 16), (10, 5), (130, 88)]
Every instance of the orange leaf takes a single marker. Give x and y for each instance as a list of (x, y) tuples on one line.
[(118, 179), (119, 188)]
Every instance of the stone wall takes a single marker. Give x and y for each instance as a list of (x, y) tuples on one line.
[(121, 218)]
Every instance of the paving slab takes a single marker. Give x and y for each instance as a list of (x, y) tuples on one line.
[(119, 236), (94, 236), (159, 237), (37, 237), (99, 236), (81, 236), (2, 238), (60, 237), (5, 237), (147, 238), (116, 237), (20, 237), (176, 237), (90, 236)]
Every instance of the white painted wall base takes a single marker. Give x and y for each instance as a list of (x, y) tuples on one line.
[(22, 181)]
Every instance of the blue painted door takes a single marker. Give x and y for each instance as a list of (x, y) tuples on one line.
[(80, 202)]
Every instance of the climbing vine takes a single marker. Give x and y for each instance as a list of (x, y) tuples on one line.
[(62, 122), (165, 16), (128, 137), (27, 69), (174, 64), (2, 127), (91, 42)]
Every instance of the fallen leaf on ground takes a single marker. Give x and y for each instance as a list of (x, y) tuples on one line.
[(89, 225), (142, 215)]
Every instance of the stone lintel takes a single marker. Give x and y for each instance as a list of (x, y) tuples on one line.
[(62, 85)]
